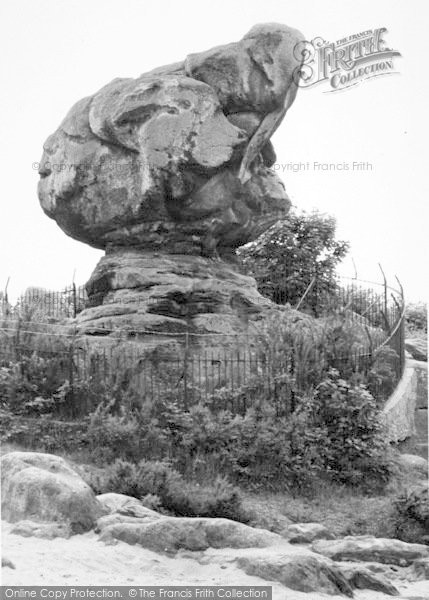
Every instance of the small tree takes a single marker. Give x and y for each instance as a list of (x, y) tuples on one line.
[(292, 254)]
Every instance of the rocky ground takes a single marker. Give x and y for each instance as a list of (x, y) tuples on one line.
[(85, 560), (58, 532)]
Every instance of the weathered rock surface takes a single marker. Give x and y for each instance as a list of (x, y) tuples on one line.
[(303, 573), (412, 462), (153, 161), (170, 534), (156, 292), (305, 533), (117, 519), (169, 167), (417, 347), (362, 578), (6, 562), (47, 531), (269, 519), (367, 548), (44, 488), (123, 509), (421, 568), (125, 505)]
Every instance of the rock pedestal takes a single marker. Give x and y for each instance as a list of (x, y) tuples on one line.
[(133, 291)]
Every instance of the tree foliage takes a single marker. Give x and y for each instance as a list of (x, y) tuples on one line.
[(293, 253)]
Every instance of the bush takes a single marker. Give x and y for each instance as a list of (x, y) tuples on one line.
[(382, 378), (416, 316), (33, 385), (269, 452), (412, 515), (357, 451), (113, 435), (285, 441), (286, 258), (42, 434), (159, 480), (414, 504), (116, 431)]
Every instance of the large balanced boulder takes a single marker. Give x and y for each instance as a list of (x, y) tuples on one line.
[(44, 488), (304, 573), (170, 534), (153, 162), (168, 171), (368, 548)]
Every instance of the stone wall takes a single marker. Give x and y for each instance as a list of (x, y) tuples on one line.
[(400, 410)]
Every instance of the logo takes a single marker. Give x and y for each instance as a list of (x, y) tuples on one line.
[(345, 63)]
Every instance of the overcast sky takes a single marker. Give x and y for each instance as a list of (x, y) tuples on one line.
[(55, 52)]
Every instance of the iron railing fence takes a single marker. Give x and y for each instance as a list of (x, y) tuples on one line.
[(44, 305), (379, 303), (236, 375), (234, 381)]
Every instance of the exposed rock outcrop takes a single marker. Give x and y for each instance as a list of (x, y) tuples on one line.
[(363, 579), (6, 562), (418, 348), (367, 548), (170, 534), (413, 463), (421, 568), (303, 573), (305, 533), (47, 531), (43, 488), (124, 505)]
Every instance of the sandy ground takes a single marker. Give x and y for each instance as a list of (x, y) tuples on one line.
[(84, 560)]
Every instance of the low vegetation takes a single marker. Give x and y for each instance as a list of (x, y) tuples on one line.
[(300, 440), (291, 255), (416, 319)]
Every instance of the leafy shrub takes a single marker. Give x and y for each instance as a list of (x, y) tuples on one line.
[(286, 258), (219, 499), (277, 453), (416, 316), (42, 433), (381, 378), (285, 441), (412, 514), (357, 451), (161, 482), (32, 385), (152, 501), (414, 504), (113, 435)]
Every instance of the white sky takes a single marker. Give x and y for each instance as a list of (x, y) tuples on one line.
[(55, 52)]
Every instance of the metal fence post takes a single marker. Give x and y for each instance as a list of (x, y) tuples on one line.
[(74, 301), (385, 292), (185, 372), (402, 329)]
